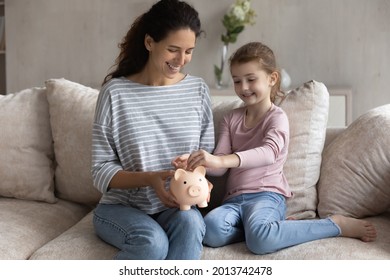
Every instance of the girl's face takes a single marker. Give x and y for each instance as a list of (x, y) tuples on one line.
[(251, 83), (168, 57)]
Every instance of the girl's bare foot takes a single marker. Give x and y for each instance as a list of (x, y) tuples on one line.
[(355, 228)]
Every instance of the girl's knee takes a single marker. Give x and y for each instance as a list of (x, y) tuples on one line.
[(215, 233), (261, 242), (260, 248), (212, 240)]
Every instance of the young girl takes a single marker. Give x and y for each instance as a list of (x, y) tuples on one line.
[(253, 143), (147, 112)]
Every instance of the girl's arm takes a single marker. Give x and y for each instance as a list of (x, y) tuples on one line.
[(266, 154), (211, 162), (270, 145), (223, 158)]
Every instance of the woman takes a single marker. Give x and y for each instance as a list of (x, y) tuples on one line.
[(147, 113)]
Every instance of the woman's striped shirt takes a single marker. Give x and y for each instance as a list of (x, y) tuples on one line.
[(142, 128)]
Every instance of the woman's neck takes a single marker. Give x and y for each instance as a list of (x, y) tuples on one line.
[(151, 78)]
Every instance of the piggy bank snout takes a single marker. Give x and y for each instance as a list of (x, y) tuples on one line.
[(194, 191)]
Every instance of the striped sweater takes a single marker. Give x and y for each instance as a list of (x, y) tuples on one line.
[(142, 128)]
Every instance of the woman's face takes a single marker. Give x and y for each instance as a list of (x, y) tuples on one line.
[(168, 57)]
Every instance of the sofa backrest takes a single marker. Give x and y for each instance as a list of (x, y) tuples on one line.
[(72, 108), (26, 148)]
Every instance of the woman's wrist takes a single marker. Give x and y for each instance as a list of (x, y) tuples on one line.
[(128, 180)]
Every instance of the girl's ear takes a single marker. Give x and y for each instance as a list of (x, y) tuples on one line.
[(148, 41), (274, 77)]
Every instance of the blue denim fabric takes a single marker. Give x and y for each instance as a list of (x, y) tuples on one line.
[(259, 219), (172, 234)]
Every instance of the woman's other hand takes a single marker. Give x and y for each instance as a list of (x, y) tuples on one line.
[(157, 181)]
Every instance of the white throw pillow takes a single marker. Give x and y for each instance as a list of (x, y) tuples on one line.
[(26, 149), (355, 172), (307, 109), (72, 109)]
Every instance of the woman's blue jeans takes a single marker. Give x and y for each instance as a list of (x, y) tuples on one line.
[(172, 234), (259, 219)]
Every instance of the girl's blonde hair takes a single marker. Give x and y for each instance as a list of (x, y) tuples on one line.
[(256, 51)]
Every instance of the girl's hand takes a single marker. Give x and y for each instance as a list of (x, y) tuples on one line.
[(202, 158), (157, 181), (180, 161)]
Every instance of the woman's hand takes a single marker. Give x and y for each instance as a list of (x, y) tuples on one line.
[(157, 181), (180, 161)]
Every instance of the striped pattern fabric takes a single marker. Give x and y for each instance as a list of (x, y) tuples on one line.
[(142, 128)]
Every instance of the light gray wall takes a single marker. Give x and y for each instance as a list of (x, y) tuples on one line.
[(343, 43)]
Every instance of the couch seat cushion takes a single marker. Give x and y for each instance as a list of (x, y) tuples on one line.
[(337, 248), (27, 225), (90, 247), (81, 236)]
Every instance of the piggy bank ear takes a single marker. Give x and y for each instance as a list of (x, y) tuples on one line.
[(179, 173), (201, 170)]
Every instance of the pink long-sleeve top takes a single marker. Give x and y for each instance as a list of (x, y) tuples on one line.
[(262, 151)]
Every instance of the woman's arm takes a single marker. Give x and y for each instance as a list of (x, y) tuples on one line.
[(127, 180)]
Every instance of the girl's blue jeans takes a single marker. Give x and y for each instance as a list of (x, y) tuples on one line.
[(171, 234), (259, 219)]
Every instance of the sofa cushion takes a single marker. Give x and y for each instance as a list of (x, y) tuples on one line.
[(220, 109), (81, 236), (26, 149), (337, 248), (72, 107), (355, 172), (90, 247), (307, 109), (27, 225)]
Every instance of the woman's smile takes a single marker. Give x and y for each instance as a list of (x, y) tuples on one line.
[(173, 67)]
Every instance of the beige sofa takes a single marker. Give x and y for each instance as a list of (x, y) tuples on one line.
[(47, 197)]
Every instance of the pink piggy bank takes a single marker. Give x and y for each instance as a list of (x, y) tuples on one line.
[(190, 188)]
